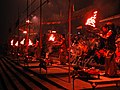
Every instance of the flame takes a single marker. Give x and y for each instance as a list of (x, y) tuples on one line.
[(22, 42), (24, 32), (28, 21), (16, 44), (30, 43), (91, 21), (52, 38), (12, 42)]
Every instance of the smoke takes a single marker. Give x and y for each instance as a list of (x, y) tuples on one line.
[(79, 4), (107, 7), (55, 8)]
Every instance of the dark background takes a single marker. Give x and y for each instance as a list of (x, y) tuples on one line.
[(9, 11)]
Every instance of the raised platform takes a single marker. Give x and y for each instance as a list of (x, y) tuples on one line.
[(90, 77), (94, 83)]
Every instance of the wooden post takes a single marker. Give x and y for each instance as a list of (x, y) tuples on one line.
[(40, 42), (69, 34)]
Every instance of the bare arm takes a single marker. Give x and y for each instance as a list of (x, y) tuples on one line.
[(106, 35)]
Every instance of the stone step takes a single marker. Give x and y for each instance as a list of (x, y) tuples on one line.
[(38, 80), (6, 82), (20, 75)]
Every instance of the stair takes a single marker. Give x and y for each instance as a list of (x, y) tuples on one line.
[(17, 77)]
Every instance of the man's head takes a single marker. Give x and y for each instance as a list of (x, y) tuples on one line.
[(105, 28), (110, 25)]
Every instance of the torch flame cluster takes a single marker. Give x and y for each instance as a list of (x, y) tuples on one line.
[(21, 42), (91, 21), (51, 38), (16, 44), (12, 42), (30, 43)]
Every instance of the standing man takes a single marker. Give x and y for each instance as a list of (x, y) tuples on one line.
[(108, 45)]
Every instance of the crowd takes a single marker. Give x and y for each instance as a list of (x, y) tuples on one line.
[(99, 45), (103, 49)]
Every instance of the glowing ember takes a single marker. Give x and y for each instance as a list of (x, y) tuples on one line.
[(30, 43), (12, 42), (52, 38), (27, 21), (24, 32), (36, 44), (22, 42), (16, 44), (91, 20)]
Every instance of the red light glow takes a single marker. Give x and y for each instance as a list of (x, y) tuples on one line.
[(36, 44)]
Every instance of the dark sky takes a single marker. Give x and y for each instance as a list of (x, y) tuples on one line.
[(108, 7), (8, 15), (9, 10)]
